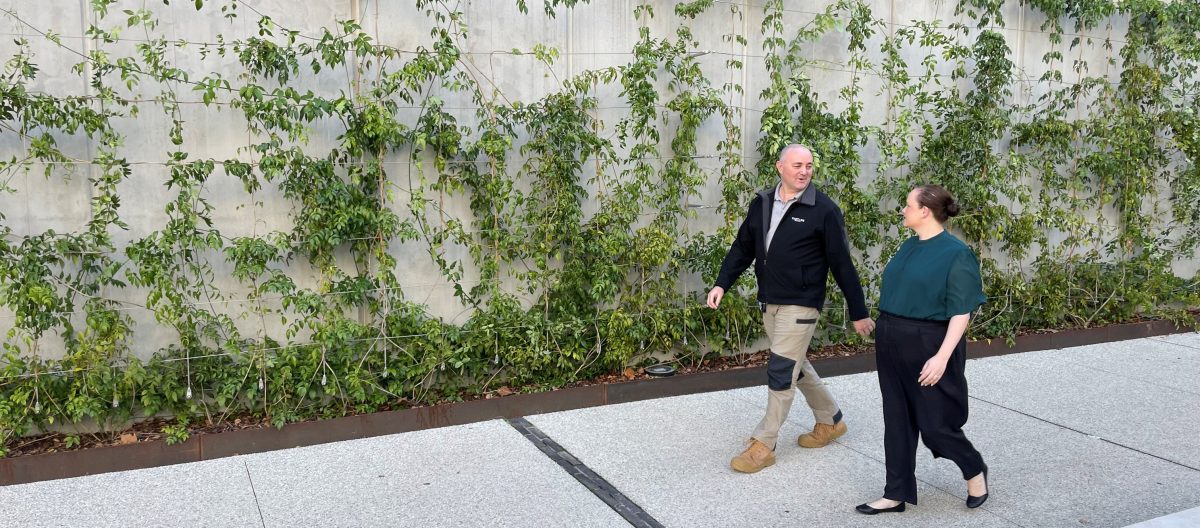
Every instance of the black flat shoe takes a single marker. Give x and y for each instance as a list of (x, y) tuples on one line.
[(975, 502), (868, 510)]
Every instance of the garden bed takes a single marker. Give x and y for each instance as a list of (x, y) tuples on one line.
[(144, 445)]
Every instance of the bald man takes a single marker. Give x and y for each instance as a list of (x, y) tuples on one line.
[(795, 236)]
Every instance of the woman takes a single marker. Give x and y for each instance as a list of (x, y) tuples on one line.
[(930, 288)]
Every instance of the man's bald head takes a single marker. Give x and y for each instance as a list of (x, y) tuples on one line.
[(793, 147)]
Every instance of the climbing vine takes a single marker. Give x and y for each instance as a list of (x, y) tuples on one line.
[(578, 230)]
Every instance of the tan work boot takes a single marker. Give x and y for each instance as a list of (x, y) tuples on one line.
[(822, 434), (754, 458)]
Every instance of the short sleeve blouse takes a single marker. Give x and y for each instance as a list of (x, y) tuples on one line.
[(932, 279)]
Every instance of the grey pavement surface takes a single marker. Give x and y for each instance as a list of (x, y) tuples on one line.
[(1096, 436), (1184, 519)]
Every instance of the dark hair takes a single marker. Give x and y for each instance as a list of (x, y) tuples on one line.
[(938, 200)]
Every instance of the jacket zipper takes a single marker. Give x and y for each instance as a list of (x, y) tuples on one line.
[(803, 281)]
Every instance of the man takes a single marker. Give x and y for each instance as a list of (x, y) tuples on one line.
[(795, 235)]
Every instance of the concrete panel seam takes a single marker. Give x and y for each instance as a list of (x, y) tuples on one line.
[(1161, 340), (1100, 438), (1133, 378), (254, 493)]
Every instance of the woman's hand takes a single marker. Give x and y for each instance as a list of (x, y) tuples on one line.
[(932, 372)]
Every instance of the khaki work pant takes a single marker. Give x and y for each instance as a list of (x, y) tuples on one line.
[(790, 328)]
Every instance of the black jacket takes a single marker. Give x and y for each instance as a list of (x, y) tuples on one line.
[(809, 242)]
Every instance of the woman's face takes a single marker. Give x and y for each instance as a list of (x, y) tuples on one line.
[(913, 212)]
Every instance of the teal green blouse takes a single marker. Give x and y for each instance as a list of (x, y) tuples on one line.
[(932, 279)]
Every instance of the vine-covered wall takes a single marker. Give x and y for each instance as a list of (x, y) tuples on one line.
[(297, 210)]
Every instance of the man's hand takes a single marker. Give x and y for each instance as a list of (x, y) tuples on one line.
[(864, 326), (714, 296)]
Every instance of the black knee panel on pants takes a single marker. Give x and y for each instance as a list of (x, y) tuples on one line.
[(779, 372)]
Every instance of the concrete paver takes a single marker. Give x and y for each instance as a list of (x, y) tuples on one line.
[(1190, 339), (1032, 462), (1034, 459), (1142, 361), (1096, 436), (209, 493), (684, 479), (1184, 519), (1154, 417), (483, 474)]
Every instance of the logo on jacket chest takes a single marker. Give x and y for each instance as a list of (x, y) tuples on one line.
[(797, 219)]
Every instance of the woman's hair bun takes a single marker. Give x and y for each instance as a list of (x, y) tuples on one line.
[(952, 208), (938, 200)]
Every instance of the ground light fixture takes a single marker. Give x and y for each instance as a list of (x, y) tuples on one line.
[(661, 370)]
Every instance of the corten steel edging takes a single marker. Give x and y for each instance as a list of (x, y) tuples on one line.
[(1075, 337), (735, 378), (247, 441), (34, 468), (50, 466)]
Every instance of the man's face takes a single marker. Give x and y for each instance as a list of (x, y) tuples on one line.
[(795, 170)]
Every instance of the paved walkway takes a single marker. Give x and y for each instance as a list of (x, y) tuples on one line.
[(1095, 436)]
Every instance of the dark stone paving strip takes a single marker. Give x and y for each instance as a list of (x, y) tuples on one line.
[(611, 496)]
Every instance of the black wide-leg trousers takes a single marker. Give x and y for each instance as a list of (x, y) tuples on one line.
[(937, 413)]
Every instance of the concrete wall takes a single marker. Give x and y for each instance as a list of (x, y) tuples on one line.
[(589, 37)]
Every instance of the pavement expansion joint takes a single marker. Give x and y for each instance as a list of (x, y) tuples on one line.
[(601, 488), (1138, 379), (1089, 435), (1160, 340), (254, 493)]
